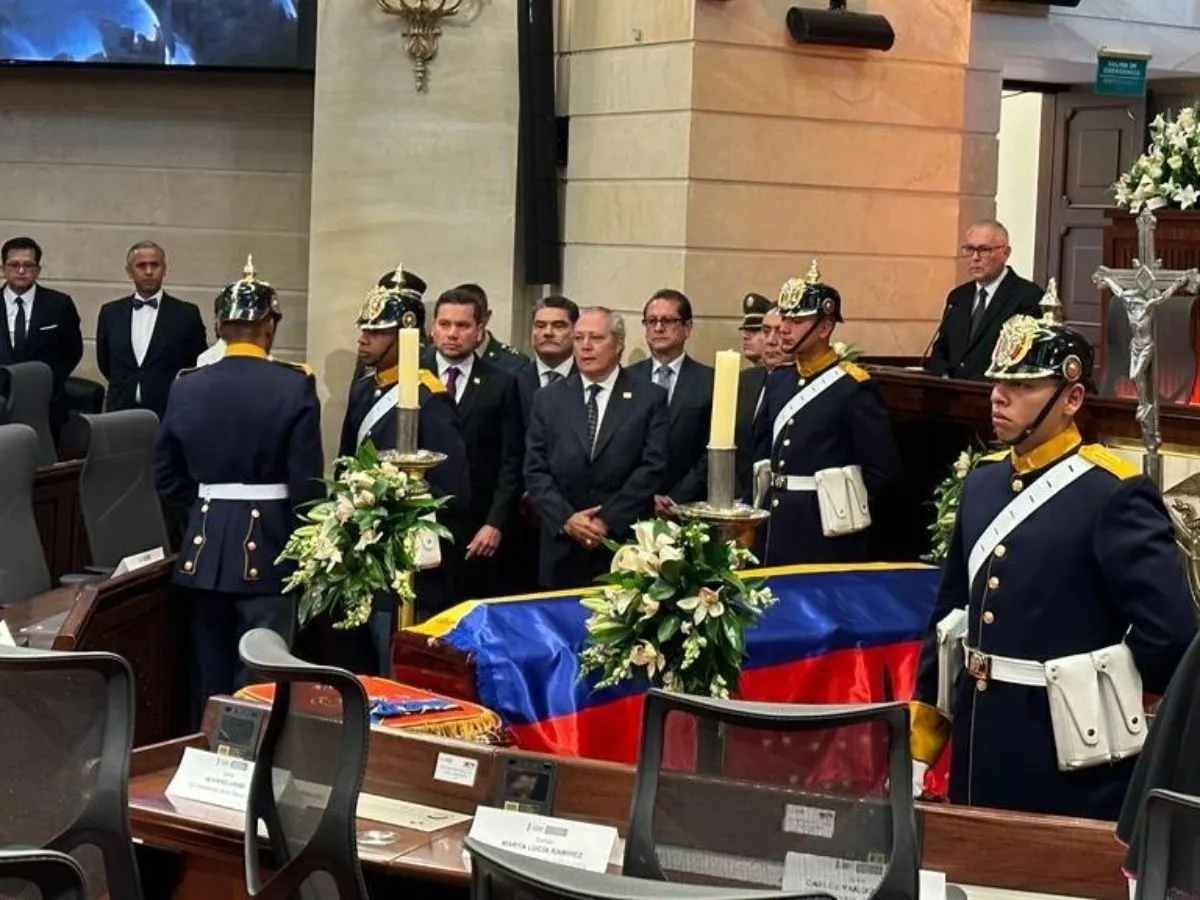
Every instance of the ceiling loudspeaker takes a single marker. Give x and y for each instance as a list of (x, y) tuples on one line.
[(838, 27)]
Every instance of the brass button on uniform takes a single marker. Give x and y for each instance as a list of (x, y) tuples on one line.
[(993, 583), (197, 540), (204, 508), (989, 617), (251, 546), (254, 573), (787, 442), (1017, 485), (254, 514), (801, 382), (1000, 551), (774, 503), (187, 566)]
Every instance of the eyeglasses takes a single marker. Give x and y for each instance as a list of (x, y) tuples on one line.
[(22, 266), (664, 321), (969, 250)]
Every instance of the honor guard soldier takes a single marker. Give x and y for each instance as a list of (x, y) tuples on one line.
[(1062, 598), (240, 444), (372, 414), (824, 448)]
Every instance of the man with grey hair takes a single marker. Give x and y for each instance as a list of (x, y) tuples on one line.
[(962, 345), (596, 453), (145, 339)]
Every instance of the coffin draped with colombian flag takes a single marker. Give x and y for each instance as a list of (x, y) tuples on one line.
[(839, 634)]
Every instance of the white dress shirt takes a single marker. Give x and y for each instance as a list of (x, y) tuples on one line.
[(989, 289), (563, 369), (602, 397), (141, 326), (464, 367), (674, 365), (10, 306)]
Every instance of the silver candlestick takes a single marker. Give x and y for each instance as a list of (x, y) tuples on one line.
[(733, 519)]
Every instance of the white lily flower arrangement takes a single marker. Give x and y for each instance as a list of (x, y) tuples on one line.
[(361, 540), (674, 611), (1168, 173)]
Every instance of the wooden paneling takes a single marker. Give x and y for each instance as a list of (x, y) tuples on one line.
[(59, 519)]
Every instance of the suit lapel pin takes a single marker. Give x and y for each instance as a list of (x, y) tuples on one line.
[(628, 395), (475, 380)]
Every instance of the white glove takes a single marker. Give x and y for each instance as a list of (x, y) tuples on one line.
[(918, 781)]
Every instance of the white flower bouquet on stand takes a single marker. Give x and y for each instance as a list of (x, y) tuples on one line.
[(1168, 173), (674, 610)]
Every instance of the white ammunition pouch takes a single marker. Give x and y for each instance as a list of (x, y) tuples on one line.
[(761, 480), (428, 552), (842, 499), (951, 633)]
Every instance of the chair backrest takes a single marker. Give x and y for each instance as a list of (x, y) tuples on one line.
[(500, 875), (121, 509), (769, 795), (40, 875), (1169, 856), (30, 387), (67, 736), (307, 777), (23, 572)]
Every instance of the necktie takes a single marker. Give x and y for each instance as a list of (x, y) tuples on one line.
[(138, 303), (662, 377), (593, 416), (551, 377), (19, 325), (978, 310), (452, 374)]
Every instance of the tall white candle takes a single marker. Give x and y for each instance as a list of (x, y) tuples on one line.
[(408, 396), (724, 407)]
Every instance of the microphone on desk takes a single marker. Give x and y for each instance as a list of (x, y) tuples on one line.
[(936, 336)]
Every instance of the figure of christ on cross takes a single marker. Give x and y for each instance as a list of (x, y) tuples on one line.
[(1142, 290)]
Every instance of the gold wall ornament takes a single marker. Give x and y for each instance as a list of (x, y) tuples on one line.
[(421, 18)]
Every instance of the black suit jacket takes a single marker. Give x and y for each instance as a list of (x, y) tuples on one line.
[(621, 477), (492, 426), (528, 384), (750, 388), (955, 354), (690, 417), (52, 336), (179, 336)]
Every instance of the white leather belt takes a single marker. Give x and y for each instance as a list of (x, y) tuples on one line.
[(239, 491), (1028, 672), (793, 482)]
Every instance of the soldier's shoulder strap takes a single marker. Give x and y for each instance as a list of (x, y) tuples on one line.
[(305, 368), (1103, 458), (998, 456), (855, 371), (432, 382)]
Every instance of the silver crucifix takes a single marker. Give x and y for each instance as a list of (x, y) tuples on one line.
[(1142, 290)]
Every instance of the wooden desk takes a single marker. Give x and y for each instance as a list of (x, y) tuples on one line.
[(1041, 854), (59, 520), (133, 616)]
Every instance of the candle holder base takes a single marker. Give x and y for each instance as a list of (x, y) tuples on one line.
[(736, 522), (414, 464)]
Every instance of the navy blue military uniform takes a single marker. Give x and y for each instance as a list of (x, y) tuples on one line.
[(1095, 563), (843, 424), (240, 447)]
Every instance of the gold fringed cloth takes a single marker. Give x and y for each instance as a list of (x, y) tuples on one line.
[(466, 721)]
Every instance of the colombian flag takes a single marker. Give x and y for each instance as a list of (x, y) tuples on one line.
[(839, 634)]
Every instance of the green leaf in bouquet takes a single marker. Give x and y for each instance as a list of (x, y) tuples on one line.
[(661, 590), (668, 628)]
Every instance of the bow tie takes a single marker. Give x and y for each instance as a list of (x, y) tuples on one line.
[(138, 303)]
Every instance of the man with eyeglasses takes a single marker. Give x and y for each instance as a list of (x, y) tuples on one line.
[(40, 324), (975, 311), (667, 317)]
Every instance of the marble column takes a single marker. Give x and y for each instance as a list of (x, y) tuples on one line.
[(711, 153), (423, 179)]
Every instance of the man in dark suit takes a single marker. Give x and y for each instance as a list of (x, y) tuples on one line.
[(962, 345), (489, 409), (553, 342), (39, 324), (596, 454), (667, 317), (240, 447), (750, 385), (144, 340)]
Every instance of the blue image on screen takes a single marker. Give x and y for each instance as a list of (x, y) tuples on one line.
[(211, 33)]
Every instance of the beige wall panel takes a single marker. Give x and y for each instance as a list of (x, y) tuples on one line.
[(642, 145), (755, 81), (599, 24), (817, 220), (638, 213), (769, 149), (926, 30), (619, 277), (634, 79), (981, 97), (981, 165), (872, 287)]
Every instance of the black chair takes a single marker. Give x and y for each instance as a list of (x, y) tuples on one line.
[(766, 795), (40, 875), (1169, 856), (67, 736), (499, 875), (121, 510), (307, 776), (84, 395), (23, 572), (30, 387)]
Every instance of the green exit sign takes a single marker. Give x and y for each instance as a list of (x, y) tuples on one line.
[(1121, 73)]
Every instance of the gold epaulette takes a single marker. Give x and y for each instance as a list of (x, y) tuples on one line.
[(299, 367), (1101, 457), (998, 456), (857, 372), (432, 382), (929, 732), (188, 371)]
